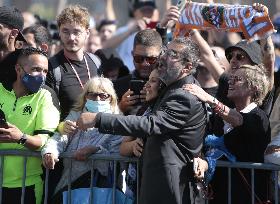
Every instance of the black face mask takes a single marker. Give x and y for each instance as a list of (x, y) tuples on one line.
[(33, 83)]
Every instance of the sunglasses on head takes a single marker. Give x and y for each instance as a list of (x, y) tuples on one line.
[(102, 96), (237, 56), (140, 59)]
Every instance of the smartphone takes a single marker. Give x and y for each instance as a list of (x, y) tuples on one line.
[(136, 86), (3, 122), (181, 4)]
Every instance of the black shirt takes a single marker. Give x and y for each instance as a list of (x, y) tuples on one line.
[(70, 88)]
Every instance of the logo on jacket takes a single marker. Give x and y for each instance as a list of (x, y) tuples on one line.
[(27, 110)]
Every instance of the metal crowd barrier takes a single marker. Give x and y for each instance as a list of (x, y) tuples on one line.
[(115, 158), (252, 166), (94, 157)]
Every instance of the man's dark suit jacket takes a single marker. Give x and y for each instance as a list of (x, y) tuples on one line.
[(174, 132)]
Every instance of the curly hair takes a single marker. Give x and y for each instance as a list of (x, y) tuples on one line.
[(25, 52), (191, 51), (257, 81), (74, 14), (97, 84)]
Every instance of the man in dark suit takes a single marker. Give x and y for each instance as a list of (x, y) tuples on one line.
[(174, 130)]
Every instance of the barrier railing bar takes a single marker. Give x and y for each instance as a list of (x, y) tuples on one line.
[(229, 185), (69, 197), (275, 185), (253, 185), (25, 153), (91, 182), (46, 186), (23, 180), (1, 176), (248, 165), (114, 183), (137, 182)]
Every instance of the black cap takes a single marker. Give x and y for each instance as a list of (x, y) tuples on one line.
[(12, 17), (252, 49), (142, 3)]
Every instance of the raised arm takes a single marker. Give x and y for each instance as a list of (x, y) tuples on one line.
[(132, 27), (267, 48), (268, 59), (229, 115), (207, 55)]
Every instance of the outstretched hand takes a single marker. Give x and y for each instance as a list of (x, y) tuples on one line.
[(198, 92), (10, 134), (172, 14), (86, 120), (49, 160)]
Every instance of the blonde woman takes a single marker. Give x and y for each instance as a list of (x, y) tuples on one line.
[(98, 96)]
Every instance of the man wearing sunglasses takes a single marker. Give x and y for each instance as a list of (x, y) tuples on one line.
[(146, 49), (174, 130)]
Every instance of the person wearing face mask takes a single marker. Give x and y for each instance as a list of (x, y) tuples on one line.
[(31, 117), (98, 96)]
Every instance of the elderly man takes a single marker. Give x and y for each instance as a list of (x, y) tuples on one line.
[(174, 130)]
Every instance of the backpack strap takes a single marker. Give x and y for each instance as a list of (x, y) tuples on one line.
[(56, 71), (95, 59)]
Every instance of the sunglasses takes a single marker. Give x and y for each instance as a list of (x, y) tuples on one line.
[(237, 56), (102, 96), (140, 59)]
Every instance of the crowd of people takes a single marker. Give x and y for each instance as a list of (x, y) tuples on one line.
[(176, 103)]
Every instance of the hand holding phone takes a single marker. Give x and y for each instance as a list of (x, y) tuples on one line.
[(136, 86), (3, 122)]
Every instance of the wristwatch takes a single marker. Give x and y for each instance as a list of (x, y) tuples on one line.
[(22, 140)]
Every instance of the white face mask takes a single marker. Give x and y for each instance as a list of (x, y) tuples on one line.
[(98, 106)]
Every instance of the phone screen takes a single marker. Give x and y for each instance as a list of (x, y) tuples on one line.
[(136, 86), (3, 122)]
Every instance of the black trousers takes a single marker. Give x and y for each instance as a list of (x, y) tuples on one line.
[(13, 195)]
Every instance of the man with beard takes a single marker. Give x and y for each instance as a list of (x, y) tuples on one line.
[(71, 68), (174, 130)]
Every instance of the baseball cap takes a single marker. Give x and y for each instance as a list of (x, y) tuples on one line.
[(142, 3), (12, 17), (252, 49)]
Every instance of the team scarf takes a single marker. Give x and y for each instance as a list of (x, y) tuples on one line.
[(235, 18)]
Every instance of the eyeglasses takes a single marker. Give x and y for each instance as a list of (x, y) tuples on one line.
[(68, 33), (102, 96), (175, 55), (237, 56), (140, 59)]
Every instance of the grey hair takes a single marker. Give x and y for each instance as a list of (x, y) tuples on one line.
[(256, 80), (191, 51)]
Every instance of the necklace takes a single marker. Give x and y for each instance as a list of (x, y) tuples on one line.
[(74, 70)]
